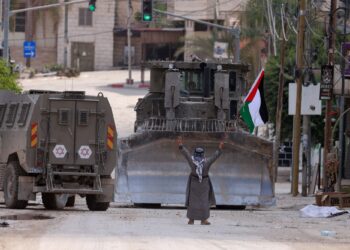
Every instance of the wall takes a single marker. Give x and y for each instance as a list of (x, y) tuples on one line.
[(100, 33), (45, 36)]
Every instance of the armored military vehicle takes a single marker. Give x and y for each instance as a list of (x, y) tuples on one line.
[(59, 144), (199, 101)]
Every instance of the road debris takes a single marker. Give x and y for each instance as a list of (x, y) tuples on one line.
[(312, 211)]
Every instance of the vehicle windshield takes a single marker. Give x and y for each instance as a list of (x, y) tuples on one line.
[(191, 82)]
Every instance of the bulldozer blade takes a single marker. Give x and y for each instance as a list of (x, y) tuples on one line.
[(151, 169)]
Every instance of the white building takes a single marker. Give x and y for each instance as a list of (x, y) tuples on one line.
[(90, 36)]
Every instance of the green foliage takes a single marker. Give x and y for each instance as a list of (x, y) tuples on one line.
[(8, 80), (272, 71), (138, 16), (203, 46), (254, 30), (53, 67), (159, 20)]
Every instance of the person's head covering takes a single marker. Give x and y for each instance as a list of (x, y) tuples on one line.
[(198, 153)]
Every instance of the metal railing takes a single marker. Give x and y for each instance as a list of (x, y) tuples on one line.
[(187, 125)]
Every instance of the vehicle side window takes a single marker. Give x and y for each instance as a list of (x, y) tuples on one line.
[(232, 81), (24, 114), (63, 116), (2, 113), (83, 117), (11, 116), (233, 109)]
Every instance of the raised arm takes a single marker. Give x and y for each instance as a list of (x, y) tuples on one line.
[(216, 155), (184, 150)]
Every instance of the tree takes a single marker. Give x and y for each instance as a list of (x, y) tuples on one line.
[(8, 80)]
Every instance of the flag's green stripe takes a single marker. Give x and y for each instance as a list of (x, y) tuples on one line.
[(247, 117)]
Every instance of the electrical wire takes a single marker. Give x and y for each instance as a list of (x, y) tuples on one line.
[(291, 26), (70, 36), (213, 6), (312, 31), (282, 20)]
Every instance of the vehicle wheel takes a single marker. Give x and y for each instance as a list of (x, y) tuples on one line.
[(93, 205), (12, 172), (71, 201), (54, 201)]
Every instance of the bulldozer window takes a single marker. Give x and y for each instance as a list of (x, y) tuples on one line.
[(191, 82), (232, 80)]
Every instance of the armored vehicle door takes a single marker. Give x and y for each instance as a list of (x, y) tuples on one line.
[(72, 132), (85, 135)]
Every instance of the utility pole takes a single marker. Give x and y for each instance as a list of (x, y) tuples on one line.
[(6, 26), (129, 80), (328, 125), (306, 164), (279, 108), (66, 41), (29, 28), (342, 104), (299, 80)]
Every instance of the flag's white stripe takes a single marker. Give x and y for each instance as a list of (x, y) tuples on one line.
[(254, 110), (252, 87)]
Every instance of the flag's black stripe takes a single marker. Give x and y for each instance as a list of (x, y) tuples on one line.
[(263, 108)]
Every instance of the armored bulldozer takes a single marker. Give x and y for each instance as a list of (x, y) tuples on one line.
[(59, 144), (199, 101)]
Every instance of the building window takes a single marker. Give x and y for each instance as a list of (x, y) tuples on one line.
[(18, 21), (85, 17), (63, 116), (200, 27)]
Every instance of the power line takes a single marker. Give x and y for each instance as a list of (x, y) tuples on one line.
[(312, 31), (282, 20), (213, 6), (62, 36), (291, 26)]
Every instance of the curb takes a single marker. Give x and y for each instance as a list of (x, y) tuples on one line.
[(136, 85)]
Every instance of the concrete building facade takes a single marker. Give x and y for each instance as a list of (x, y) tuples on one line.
[(149, 41), (223, 12), (90, 36), (40, 27)]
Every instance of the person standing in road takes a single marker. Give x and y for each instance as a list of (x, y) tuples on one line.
[(199, 193)]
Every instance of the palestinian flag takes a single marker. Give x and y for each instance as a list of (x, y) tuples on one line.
[(254, 110)]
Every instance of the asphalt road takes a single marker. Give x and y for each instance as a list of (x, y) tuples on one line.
[(279, 227)]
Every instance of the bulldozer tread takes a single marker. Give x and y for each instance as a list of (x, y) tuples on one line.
[(93, 205), (12, 173)]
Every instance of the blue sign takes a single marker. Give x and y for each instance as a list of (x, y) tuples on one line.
[(29, 49)]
